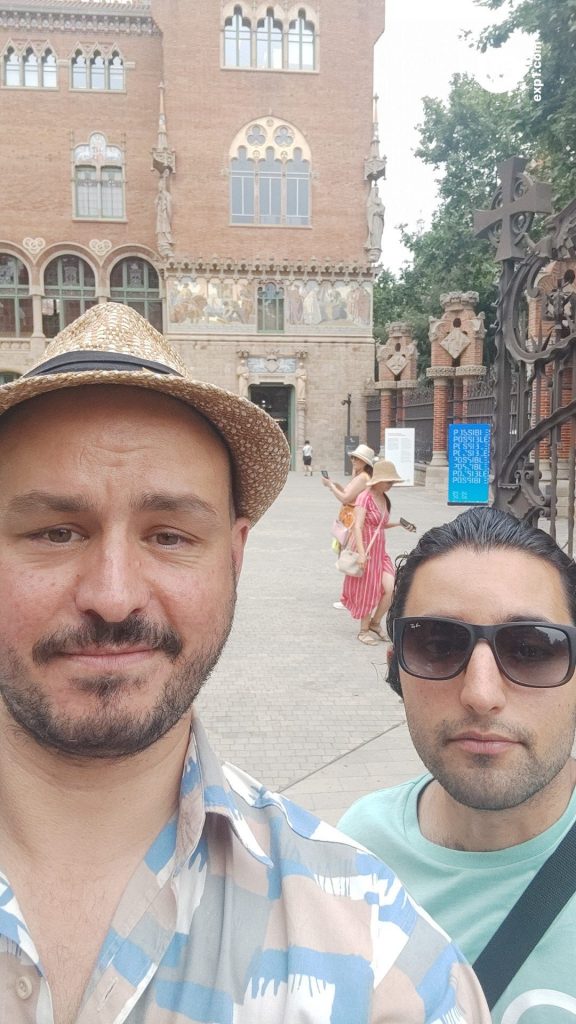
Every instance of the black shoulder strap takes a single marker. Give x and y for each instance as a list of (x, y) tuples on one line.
[(530, 917)]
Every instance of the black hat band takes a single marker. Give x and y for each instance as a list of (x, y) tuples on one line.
[(82, 361)]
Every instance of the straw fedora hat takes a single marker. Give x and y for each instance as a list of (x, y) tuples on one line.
[(113, 344), (384, 472), (364, 453)]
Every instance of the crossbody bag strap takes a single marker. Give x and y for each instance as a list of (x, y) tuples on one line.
[(530, 917), (375, 534)]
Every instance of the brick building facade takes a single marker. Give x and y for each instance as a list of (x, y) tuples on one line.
[(213, 165)]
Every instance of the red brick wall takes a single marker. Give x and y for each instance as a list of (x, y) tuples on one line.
[(44, 124), (207, 105)]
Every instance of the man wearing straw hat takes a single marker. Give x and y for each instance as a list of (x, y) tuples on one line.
[(140, 883)]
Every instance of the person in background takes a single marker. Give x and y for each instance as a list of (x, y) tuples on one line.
[(368, 597), (307, 452), (484, 649), (362, 459)]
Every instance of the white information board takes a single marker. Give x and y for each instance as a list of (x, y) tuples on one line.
[(399, 448)]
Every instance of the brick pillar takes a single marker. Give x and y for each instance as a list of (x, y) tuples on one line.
[(399, 408), (442, 377), (387, 410), (469, 375), (458, 415)]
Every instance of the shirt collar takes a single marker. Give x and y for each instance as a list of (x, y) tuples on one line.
[(204, 789)]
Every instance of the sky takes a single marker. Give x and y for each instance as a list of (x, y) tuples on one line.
[(416, 56)]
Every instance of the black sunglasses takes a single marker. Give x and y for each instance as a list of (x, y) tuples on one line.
[(527, 653)]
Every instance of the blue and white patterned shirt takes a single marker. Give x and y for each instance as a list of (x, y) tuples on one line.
[(248, 910)]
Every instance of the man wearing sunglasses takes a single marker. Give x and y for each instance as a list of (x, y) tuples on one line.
[(484, 656)]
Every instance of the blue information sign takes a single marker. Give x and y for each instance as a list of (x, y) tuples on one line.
[(468, 463)]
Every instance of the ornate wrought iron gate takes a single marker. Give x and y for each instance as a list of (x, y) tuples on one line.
[(533, 467)]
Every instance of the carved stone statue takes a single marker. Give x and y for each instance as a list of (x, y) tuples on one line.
[(300, 383), (375, 218), (243, 379), (164, 238)]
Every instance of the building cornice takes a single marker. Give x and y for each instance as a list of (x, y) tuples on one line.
[(95, 16), (264, 267)]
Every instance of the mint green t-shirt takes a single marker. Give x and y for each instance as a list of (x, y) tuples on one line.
[(470, 894)]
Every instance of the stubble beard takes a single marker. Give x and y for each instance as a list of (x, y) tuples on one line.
[(486, 785), (108, 730)]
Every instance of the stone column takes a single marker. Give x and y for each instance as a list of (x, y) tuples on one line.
[(300, 381), (37, 340), (300, 425)]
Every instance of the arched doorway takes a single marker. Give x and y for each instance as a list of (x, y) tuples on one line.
[(278, 401)]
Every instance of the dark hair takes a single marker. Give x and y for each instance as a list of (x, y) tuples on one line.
[(478, 529), (366, 467)]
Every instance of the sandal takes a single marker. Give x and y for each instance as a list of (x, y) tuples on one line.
[(365, 638), (375, 627)]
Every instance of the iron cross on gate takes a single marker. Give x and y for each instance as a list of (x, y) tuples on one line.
[(513, 206)]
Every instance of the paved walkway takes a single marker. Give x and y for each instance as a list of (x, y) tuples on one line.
[(296, 700)]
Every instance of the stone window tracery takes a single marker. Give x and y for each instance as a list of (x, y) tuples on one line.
[(270, 175), (134, 282), (237, 40), (69, 290), (270, 42), (301, 43), (98, 180), (15, 301), (30, 68), (100, 69)]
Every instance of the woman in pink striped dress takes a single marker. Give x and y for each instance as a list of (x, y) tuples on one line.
[(368, 597)]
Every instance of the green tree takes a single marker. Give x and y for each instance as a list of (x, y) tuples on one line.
[(463, 139), (546, 113)]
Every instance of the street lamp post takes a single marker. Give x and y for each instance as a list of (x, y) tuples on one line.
[(347, 401)]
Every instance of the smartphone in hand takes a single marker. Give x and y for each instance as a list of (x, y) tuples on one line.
[(325, 474), (407, 525)]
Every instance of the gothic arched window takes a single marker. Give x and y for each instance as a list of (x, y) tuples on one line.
[(270, 175), (15, 301), (237, 40), (96, 71), (30, 68), (69, 289), (98, 180), (49, 70), (12, 68), (134, 282), (79, 71), (301, 43), (115, 72), (269, 42)]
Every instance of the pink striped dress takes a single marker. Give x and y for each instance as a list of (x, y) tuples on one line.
[(361, 594)]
